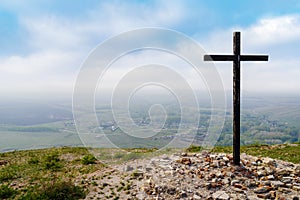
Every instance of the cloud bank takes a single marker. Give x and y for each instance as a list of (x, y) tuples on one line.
[(54, 44)]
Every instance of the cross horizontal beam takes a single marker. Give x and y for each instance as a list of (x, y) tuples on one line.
[(254, 58), (232, 57)]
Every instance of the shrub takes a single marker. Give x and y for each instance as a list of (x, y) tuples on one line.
[(6, 192), (8, 173), (194, 149), (88, 159), (52, 162), (61, 190), (33, 161)]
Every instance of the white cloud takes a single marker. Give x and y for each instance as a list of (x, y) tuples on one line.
[(44, 72), (274, 31), (104, 20), (37, 63), (58, 43), (279, 37), (266, 32), (51, 32)]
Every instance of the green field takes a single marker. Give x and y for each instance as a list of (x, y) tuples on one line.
[(31, 125)]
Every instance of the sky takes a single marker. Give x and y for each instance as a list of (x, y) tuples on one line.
[(44, 43)]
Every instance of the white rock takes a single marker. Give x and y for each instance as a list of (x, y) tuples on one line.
[(297, 188), (277, 184), (196, 197), (234, 182), (226, 159), (270, 177), (221, 195)]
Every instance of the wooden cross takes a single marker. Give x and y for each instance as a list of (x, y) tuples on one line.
[(236, 58)]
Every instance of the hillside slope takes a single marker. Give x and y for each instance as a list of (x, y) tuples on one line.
[(73, 173)]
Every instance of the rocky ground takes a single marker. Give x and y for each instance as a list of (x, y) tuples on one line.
[(197, 176)]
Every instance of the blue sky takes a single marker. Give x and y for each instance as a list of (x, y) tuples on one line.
[(43, 43)]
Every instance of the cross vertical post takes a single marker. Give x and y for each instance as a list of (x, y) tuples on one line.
[(236, 58), (236, 97)]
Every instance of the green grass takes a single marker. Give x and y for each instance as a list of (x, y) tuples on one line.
[(194, 149), (43, 172), (46, 172), (58, 190), (7, 192), (52, 161), (88, 159), (285, 152)]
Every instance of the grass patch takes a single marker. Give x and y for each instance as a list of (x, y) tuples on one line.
[(8, 173), (194, 149), (33, 161), (88, 159), (60, 190), (37, 172), (52, 161), (285, 152), (7, 192)]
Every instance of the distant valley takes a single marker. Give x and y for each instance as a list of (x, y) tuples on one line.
[(32, 125)]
